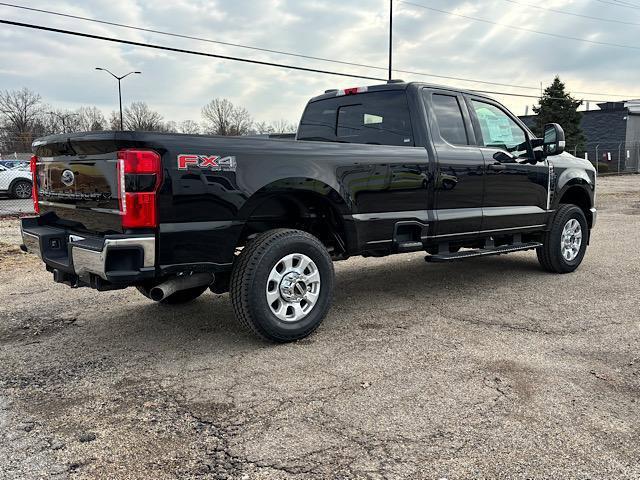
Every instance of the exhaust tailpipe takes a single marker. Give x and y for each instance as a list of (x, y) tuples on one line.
[(182, 282)]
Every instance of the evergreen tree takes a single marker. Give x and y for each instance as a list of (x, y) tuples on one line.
[(557, 106)]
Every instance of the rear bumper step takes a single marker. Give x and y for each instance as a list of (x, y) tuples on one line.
[(80, 259), (483, 252)]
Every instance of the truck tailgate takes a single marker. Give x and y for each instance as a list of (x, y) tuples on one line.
[(77, 181)]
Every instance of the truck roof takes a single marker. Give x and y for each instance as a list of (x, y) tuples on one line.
[(394, 85)]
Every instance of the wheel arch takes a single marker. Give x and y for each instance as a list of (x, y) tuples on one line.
[(16, 180), (579, 195), (301, 203)]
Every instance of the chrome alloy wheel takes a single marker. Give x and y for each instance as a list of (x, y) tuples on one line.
[(293, 287), (571, 240)]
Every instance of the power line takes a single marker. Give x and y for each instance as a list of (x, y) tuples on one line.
[(579, 15), (237, 59), (181, 50), (632, 6), (522, 29), (298, 55)]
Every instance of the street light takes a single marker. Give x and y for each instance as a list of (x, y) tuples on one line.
[(119, 88), (63, 117)]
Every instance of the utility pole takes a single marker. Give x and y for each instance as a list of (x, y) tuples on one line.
[(119, 79), (390, 38)]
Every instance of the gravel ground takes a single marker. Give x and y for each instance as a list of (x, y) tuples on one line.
[(484, 369)]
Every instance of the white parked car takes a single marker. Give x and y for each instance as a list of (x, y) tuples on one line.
[(15, 182)]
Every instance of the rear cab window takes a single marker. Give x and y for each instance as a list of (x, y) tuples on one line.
[(376, 118), (449, 117)]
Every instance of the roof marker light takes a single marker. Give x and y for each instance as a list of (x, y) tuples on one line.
[(351, 91)]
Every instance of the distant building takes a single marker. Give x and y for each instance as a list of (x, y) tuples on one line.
[(612, 135)]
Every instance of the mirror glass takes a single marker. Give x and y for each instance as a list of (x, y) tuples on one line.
[(550, 135), (551, 140)]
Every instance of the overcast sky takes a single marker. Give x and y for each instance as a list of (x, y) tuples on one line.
[(61, 68)]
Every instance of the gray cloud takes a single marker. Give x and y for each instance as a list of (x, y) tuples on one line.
[(62, 68)]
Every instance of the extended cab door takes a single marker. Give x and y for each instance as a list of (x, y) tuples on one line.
[(459, 179), (516, 191)]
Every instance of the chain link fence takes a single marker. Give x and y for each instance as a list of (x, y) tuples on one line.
[(15, 184), (610, 157)]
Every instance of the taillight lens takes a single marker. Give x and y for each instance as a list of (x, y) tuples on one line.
[(139, 177), (34, 183)]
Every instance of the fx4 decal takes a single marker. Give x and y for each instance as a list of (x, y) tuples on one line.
[(211, 162)]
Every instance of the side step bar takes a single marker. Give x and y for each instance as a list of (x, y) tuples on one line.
[(483, 252), (406, 247)]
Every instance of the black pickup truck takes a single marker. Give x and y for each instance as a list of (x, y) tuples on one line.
[(373, 171)]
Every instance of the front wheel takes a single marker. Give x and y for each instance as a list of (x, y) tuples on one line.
[(565, 244), (21, 189), (282, 285)]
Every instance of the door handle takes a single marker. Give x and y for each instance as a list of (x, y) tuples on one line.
[(497, 167)]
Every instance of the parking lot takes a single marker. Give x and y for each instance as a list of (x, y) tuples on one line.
[(484, 369)]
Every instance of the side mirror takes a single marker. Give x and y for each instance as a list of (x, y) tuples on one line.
[(553, 141)]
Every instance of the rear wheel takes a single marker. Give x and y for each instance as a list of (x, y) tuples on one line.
[(182, 296), (566, 243), (21, 189), (282, 285)]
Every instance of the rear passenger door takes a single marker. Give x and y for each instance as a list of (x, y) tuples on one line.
[(516, 191), (459, 180)]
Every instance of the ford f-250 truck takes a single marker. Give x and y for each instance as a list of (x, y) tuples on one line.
[(373, 171)]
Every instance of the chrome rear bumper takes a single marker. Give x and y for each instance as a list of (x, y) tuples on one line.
[(113, 258), (87, 261)]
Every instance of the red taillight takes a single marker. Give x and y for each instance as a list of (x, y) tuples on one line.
[(34, 184), (138, 208)]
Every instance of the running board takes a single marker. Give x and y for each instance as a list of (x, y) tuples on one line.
[(406, 247), (484, 252)]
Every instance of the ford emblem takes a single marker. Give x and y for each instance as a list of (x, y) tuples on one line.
[(67, 177)]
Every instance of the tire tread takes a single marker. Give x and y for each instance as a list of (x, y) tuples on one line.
[(548, 256), (242, 277)]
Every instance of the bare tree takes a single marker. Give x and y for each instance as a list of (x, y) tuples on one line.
[(223, 118), (170, 127), (277, 126), (114, 120), (241, 121), (284, 126), (19, 113), (90, 119), (263, 128), (189, 126), (138, 116), (55, 121)]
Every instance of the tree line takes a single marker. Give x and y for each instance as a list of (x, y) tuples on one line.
[(24, 116)]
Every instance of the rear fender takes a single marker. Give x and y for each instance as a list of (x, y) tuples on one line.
[(296, 188)]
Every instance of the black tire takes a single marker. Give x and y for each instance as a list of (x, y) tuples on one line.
[(550, 254), (250, 276), (21, 189), (177, 298)]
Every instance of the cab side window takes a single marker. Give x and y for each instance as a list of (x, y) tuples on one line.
[(499, 130), (450, 120)]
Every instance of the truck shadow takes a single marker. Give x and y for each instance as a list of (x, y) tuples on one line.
[(359, 282)]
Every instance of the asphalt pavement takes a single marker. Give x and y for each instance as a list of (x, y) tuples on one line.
[(489, 368)]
